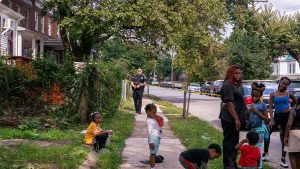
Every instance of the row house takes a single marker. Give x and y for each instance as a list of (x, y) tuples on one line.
[(33, 33)]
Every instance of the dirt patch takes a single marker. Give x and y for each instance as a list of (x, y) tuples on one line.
[(15, 142), (9, 121)]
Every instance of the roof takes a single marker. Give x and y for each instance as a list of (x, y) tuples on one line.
[(11, 13)]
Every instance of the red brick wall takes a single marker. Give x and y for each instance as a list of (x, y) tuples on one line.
[(32, 10)]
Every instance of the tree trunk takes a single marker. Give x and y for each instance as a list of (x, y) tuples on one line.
[(188, 105), (184, 105), (83, 107)]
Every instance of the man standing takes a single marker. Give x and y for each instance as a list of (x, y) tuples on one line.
[(138, 82)]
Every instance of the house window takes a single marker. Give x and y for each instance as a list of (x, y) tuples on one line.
[(43, 24), (9, 4), (49, 27), (18, 9), (291, 68), (36, 19), (27, 19)]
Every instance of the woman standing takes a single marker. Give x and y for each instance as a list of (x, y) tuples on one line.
[(231, 112), (292, 138), (280, 102)]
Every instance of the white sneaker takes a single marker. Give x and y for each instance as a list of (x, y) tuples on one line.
[(283, 163), (266, 157)]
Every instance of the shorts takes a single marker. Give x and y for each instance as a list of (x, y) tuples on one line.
[(156, 142), (294, 139)]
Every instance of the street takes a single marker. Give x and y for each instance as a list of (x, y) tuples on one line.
[(207, 108)]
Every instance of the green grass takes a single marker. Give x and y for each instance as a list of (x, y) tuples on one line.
[(21, 156), (128, 105), (122, 124), (49, 134), (157, 100)]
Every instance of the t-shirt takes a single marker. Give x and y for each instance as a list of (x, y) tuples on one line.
[(254, 119), (249, 156), (198, 156), (231, 93), (153, 129), (138, 79), (91, 132)]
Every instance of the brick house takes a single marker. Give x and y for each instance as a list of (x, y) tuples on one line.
[(36, 34)]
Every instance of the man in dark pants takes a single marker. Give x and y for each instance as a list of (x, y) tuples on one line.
[(138, 82)]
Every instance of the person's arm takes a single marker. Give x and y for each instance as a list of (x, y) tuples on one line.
[(260, 115), (132, 84), (271, 102), (149, 129), (288, 126), (144, 82), (231, 109), (241, 143)]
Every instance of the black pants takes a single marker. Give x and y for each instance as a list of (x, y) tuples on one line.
[(231, 139), (137, 98), (100, 141), (281, 120)]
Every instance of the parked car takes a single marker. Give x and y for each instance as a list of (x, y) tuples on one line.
[(166, 84), (294, 87), (177, 84), (216, 87), (194, 87), (270, 88), (155, 83), (205, 88)]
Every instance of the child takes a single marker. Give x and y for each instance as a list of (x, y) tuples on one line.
[(196, 158), (258, 114), (154, 133), (250, 154), (95, 135)]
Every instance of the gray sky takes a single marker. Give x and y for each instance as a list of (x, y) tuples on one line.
[(286, 7)]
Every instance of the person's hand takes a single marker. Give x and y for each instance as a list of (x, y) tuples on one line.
[(272, 123), (237, 125), (286, 141), (245, 140), (138, 86), (152, 146)]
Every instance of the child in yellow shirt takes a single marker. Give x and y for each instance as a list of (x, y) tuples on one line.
[(95, 135)]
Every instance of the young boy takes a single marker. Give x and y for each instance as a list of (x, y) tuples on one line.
[(196, 158), (154, 133), (250, 153)]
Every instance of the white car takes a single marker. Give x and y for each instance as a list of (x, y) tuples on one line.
[(194, 87), (155, 83)]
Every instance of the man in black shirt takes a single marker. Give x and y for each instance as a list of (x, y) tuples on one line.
[(138, 82), (198, 158)]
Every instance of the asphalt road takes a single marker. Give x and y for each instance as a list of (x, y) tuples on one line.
[(207, 108)]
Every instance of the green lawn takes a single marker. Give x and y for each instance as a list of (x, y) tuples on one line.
[(65, 156)]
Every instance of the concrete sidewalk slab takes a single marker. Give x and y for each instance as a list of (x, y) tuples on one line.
[(137, 145)]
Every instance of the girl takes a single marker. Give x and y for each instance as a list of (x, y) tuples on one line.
[(95, 135), (280, 102), (292, 138), (154, 133), (257, 115)]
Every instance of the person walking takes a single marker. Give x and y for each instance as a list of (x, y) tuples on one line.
[(231, 113), (138, 83)]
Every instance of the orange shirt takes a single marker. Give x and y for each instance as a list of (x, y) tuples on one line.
[(91, 132)]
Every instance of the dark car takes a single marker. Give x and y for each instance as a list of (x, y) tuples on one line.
[(270, 88), (294, 87), (205, 88)]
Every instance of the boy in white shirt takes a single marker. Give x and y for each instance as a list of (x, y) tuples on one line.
[(154, 133)]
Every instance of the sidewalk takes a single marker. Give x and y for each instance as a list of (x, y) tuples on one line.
[(137, 145)]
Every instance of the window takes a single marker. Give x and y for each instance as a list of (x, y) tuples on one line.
[(27, 19), (36, 19), (18, 9), (43, 24), (291, 68), (49, 27), (9, 4)]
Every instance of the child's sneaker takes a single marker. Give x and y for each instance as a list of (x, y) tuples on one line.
[(145, 161), (283, 163)]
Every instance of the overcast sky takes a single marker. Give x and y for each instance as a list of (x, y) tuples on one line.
[(286, 7)]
